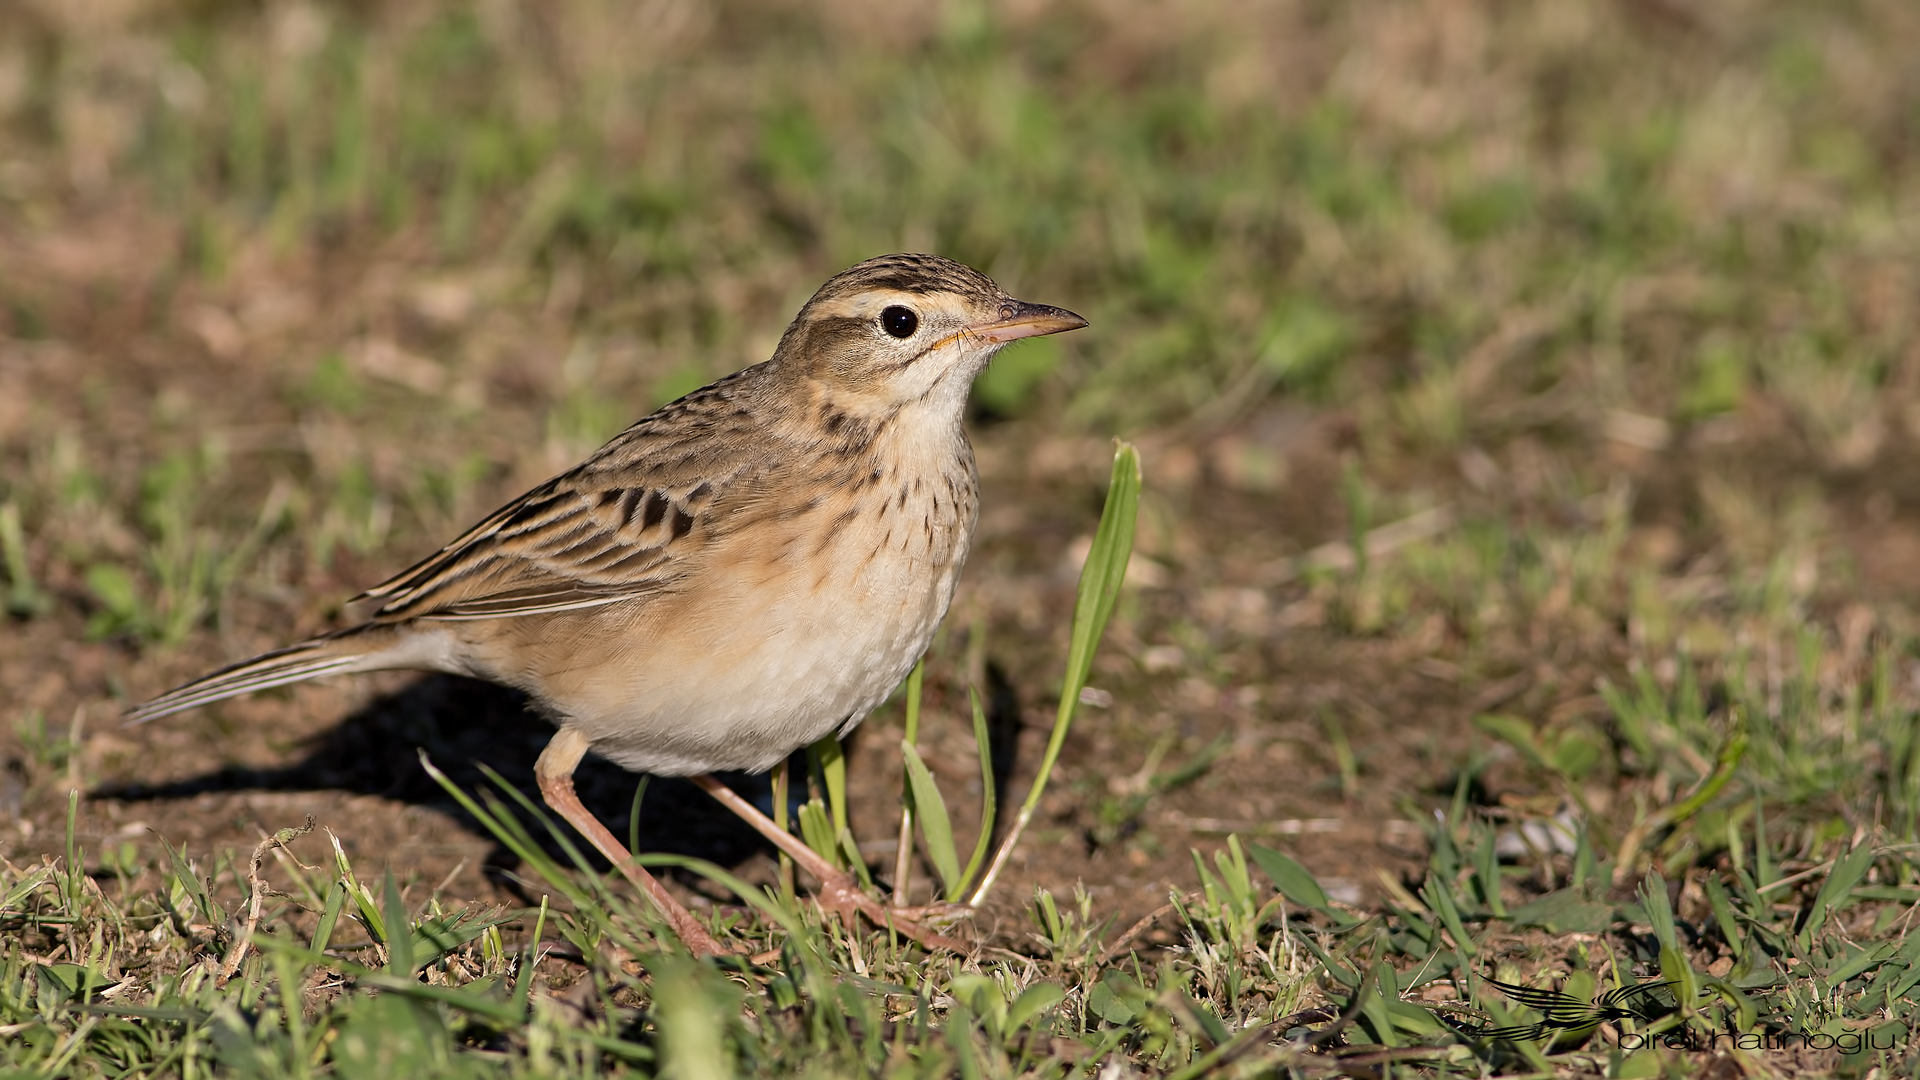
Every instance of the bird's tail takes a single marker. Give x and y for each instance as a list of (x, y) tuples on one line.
[(326, 655)]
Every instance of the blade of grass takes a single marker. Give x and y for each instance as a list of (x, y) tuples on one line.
[(24, 598), (1294, 881), (593, 905), (850, 850), (1835, 891), (362, 898), (523, 978), (1439, 899), (829, 765), (903, 854), (196, 889), (1674, 967), (633, 815), (758, 899), (329, 917), (935, 826), (1100, 581), (817, 830), (781, 785), (516, 839), (988, 797), (833, 770), (400, 934), (500, 1012)]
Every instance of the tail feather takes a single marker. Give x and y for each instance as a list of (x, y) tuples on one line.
[(295, 663)]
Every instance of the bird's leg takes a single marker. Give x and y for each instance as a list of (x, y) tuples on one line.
[(554, 770), (839, 892)]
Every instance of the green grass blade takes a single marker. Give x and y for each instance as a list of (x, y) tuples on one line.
[(692, 1024), (1674, 967), (916, 679), (523, 978), (785, 918), (1100, 581), (833, 770), (781, 786), (633, 813), (329, 917), (1765, 873), (436, 937), (1439, 899), (1293, 880), (816, 828), (589, 907), (935, 827), (850, 850), (195, 887), (989, 799), (1836, 890), (399, 934), (514, 837), (24, 597), (363, 903), (829, 766), (903, 853)]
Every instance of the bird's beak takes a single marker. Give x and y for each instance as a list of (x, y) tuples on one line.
[(1019, 319)]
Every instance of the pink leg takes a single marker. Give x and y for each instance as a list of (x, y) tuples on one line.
[(554, 770), (839, 893)]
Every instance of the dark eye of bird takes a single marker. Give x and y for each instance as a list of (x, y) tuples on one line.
[(900, 322)]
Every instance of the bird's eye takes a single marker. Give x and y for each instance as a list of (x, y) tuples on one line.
[(900, 322)]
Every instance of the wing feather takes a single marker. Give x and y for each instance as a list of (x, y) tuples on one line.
[(620, 526)]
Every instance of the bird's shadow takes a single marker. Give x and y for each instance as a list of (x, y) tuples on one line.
[(467, 727)]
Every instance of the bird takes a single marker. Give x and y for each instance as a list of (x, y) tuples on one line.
[(746, 570)]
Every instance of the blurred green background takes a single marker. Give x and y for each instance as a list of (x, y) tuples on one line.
[(1575, 226), (1431, 214)]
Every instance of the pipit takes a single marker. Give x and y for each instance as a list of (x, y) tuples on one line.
[(749, 569)]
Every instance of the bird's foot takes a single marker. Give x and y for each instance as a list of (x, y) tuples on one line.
[(842, 895), (839, 892)]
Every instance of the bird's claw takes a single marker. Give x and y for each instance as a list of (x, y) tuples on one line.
[(841, 894)]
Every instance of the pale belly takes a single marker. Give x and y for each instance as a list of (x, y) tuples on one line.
[(760, 661)]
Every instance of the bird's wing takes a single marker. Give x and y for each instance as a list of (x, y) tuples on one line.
[(621, 525), (556, 548)]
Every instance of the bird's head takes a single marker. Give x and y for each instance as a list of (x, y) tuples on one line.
[(901, 330)]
